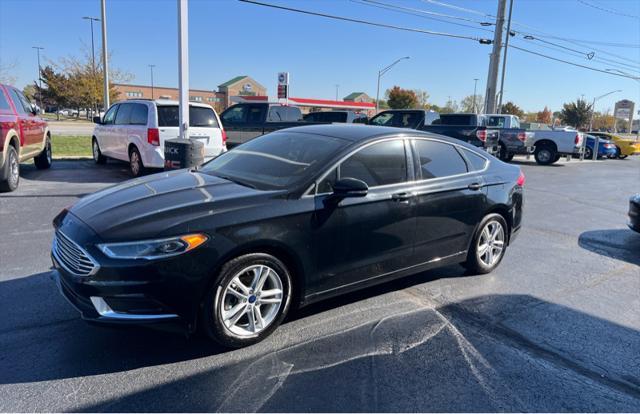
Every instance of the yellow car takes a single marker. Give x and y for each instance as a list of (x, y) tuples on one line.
[(626, 146)]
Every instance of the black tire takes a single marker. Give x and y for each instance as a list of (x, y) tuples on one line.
[(45, 158), (217, 298), (475, 263), (11, 171), (135, 162), (545, 154), (504, 154), (556, 158), (97, 154), (588, 153), (620, 155)]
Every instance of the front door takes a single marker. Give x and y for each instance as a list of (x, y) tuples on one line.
[(368, 237), (31, 125)]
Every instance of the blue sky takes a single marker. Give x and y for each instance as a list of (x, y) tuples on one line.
[(229, 38)]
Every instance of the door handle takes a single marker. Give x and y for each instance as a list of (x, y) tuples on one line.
[(401, 197), (474, 186)]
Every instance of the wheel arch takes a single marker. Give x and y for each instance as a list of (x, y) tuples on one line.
[(547, 143)]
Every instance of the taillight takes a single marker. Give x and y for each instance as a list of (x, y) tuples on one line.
[(521, 179), (482, 135), (522, 136), (577, 140), (153, 136), (224, 137)]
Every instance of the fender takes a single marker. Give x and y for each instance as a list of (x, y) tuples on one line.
[(11, 132)]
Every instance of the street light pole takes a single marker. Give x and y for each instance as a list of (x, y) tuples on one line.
[(105, 68), (475, 87), (593, 109), (38, 49), (337, 86), (183, 67), (93, 59), (382, 72), (151, 67), (504, 58)]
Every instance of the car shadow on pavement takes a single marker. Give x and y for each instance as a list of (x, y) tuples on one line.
[(77, 171), (620, 244), (354, 353), (532, 163)]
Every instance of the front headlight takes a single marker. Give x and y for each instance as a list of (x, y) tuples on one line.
[(153, 249)]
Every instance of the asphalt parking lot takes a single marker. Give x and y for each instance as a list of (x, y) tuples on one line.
[(555, 328)]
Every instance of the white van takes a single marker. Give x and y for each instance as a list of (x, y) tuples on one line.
[(135, 131)]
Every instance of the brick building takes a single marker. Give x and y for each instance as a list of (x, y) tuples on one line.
[(129, 91), (241, 86)]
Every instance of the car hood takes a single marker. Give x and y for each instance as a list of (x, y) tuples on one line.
[(162, 204)]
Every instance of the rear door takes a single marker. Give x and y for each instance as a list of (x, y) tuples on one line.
[(450, 198), (204, 127), (105, 132), (234, 120)]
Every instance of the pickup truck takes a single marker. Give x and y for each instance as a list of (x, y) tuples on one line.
[(404, 118), (245, 121), (553, 143), (466, 127), (514, 140), (23, 135)]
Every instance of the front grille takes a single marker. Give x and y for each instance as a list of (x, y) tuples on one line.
[(72, 257)]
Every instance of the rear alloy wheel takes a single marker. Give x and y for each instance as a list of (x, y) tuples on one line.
[(248, 302), (135, 162), (588, 153), (97, 154), (44, 159), (12, 171), (545, 155), (488, 245)]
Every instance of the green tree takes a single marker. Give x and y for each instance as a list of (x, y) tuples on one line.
[(399, 98), (512, 109), (472, 104), (576, 114)]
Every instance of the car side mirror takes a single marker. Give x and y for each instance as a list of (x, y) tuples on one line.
[(349, 188), (97, 120), (34, 109)]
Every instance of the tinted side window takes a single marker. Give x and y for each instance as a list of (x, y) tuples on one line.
[(202, 117), (123, 117), (256, 114), (311, 117), (4, 104), (236, 114), (139, 114), (477, 162), (447, 119), (382, 119), (110, 116), (17, 101), (378, 164), (438, 159)]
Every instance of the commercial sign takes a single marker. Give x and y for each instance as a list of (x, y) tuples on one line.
[(283, 85), (624, 109)]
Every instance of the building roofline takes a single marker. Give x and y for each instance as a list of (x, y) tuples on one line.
[(162, 87)]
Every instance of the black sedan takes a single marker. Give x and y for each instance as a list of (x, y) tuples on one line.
[(634, 213), (284, 220)]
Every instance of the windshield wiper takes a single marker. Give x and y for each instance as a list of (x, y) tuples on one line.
[(235, 180)]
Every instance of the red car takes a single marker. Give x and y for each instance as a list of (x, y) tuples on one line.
[(23, 135)]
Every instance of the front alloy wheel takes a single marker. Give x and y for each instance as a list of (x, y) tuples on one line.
[(248, 301)]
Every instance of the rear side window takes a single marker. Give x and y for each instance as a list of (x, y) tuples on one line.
[(169, 116), (139, 114), (438, 159), (378, 164), (124, 114), (4, 104), (477, 162)]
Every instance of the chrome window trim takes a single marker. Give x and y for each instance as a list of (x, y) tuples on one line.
[(309, 192), (104, 310), (54, 252)]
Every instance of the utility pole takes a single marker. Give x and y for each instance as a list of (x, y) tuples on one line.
[(93, 60), (475, 86), (38, 49), (105, 68), (337, 86), (183, 67), (151, 67), (492, 77), (504, 59)]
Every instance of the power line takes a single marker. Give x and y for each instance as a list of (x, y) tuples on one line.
[(415, 12), (571, 63), (366, 22), (464, 9), (608, 10)]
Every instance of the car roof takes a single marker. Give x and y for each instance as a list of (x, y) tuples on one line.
[(163, 102), (361, 132)]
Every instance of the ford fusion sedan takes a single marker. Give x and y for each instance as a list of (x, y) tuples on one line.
[(284, 220)]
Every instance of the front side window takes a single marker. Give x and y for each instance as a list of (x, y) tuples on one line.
[(277, 160), (123, 117), (236, 114), (379, 164), (110, 116), (438, 159)]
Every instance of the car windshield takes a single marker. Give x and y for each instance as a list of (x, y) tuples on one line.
[(275, 161)]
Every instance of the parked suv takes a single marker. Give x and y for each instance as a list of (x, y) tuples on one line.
[(23, 135), (135, 131)]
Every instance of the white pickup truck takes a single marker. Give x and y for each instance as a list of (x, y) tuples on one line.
[(553, 143)]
